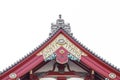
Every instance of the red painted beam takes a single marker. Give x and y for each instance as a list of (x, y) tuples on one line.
[(65, 74), (61, 78), (27, 67), (32, 64), (97, 67)]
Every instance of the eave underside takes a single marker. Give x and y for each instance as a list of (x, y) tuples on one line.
[(50, 74)]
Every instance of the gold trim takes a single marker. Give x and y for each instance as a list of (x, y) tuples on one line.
[(62, 51), (39, 54), (68, 45)]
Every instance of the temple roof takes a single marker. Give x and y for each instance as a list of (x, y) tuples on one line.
[(55, 28)]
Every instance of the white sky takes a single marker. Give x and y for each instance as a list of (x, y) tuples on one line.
[(25, 24)]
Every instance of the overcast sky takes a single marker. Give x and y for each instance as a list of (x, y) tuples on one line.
[(25, 24)]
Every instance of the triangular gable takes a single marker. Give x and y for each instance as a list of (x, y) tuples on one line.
[(58, 42), (61, 38), (51, 46)]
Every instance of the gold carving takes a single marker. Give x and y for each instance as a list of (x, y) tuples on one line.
[(62, 51), (61, 40)]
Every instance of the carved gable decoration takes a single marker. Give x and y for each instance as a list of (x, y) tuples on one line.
[(60, 48), (57, 43), (62, 55)]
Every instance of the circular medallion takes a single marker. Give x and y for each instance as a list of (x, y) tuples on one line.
[(61, 42), (13, 75), (112, 75), (62, 51)]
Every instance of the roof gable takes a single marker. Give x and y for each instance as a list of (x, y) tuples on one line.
[(40, 55), (61, 41), (70, 44)]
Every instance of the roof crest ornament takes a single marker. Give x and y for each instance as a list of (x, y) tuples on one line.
[(60, 16), (60, 24)]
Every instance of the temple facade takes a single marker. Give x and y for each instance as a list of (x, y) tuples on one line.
[(61, 57)]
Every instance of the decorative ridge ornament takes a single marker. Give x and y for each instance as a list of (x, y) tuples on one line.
[(60, 24), (60, 16)]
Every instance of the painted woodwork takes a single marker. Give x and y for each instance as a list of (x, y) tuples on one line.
[(62, 48), (90, 60), (61, 41), (61, 56)]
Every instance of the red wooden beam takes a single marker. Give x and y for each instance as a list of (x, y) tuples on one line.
[(97, 67), (65, 74), (61, 78), (82, 65), (26, 67)]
